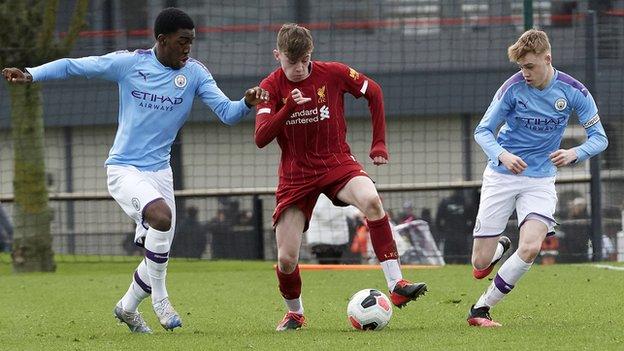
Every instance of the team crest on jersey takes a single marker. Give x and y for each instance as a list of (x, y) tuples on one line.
[(353, 74), (561, 104), (321, 94), (136, 204), (284, 100), (180, 81)]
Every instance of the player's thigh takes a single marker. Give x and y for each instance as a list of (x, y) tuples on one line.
[(132, 191), (288, 231), (163, 182), (497, 203), (360, 192), (538, 200)]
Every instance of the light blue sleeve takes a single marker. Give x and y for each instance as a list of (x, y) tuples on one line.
[(586, 109), (229, 112), (111, 67), (493, 118)]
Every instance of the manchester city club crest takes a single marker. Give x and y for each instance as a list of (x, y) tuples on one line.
[(180, 81), (561, 104), (136, 204)]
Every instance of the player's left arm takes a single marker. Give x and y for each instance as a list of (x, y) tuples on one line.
[(585, 107), (358, 85), (229, 112), (112, 66)]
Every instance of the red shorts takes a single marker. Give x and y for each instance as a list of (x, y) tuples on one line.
[(304, 195)]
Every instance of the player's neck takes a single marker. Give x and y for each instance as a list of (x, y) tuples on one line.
[(549, 78), (157, 53)]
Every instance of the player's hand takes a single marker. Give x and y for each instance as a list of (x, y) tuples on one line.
[(298, 97), (512, 162), (256, 95), (380, 160), (15, 75), (563, 157)]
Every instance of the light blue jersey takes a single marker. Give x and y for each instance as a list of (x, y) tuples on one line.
[(154, 101), (534, 122)]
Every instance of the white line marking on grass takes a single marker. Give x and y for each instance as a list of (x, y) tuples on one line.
[(606, 266)]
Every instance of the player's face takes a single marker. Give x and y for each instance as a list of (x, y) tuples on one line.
[(295, 71), (176, 47), (536, 69)]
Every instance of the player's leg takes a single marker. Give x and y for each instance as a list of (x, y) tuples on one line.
[(535, 206), (532, 233), (138, 290), (157, 215), (288, 231), (497, 203), (498, 200), (160, 217), (126, 309), (120, 181), (360, 192)]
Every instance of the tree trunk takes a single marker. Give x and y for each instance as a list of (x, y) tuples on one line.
[(32, 240)]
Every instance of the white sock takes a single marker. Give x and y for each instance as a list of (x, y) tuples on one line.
[(498, 253), (295, 305), (508, 275), (157, 246), (139, 289), (392, 272)]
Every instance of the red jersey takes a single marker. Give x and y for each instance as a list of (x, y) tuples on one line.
[(312, 136)]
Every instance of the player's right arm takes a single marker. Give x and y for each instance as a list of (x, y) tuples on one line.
[(269, 122), (111, 66), (484, 133)]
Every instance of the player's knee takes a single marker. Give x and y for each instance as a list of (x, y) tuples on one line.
[(287, 263), (529, 251), (373, 208), (158, 216)]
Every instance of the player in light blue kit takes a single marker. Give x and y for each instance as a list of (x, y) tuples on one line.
[(156, 91), (533, 106)]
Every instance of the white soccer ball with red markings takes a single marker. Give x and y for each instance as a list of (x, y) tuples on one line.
[(369, 309)]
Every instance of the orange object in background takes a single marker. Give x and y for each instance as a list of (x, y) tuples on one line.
[(360, 240), (550, 250)]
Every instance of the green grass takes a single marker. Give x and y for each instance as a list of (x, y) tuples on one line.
[(235, 306)]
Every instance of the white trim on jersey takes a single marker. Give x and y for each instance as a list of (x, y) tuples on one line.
[(264, 110), (364, 87)]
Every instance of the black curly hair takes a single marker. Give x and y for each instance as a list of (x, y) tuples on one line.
[(170, 20)]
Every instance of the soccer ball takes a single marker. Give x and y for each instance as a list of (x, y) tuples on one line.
[(369, 309)]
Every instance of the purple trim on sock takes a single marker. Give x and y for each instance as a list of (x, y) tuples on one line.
[(502, 285), (157, 257), (141, 283)]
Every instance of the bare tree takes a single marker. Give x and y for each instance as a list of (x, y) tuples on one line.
[(29, 39)]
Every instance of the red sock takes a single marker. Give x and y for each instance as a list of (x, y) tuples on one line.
[(289, 284), (381, 238)]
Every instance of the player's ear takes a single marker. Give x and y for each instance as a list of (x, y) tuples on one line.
[(161, 39), (548, 58), (276, 54)]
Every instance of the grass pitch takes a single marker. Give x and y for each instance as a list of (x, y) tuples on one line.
[(236, 305)]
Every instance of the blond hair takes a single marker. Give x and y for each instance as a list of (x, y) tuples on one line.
[(294, 41), (533, 40)]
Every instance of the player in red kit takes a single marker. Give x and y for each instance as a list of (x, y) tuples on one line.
[(305, 112)]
